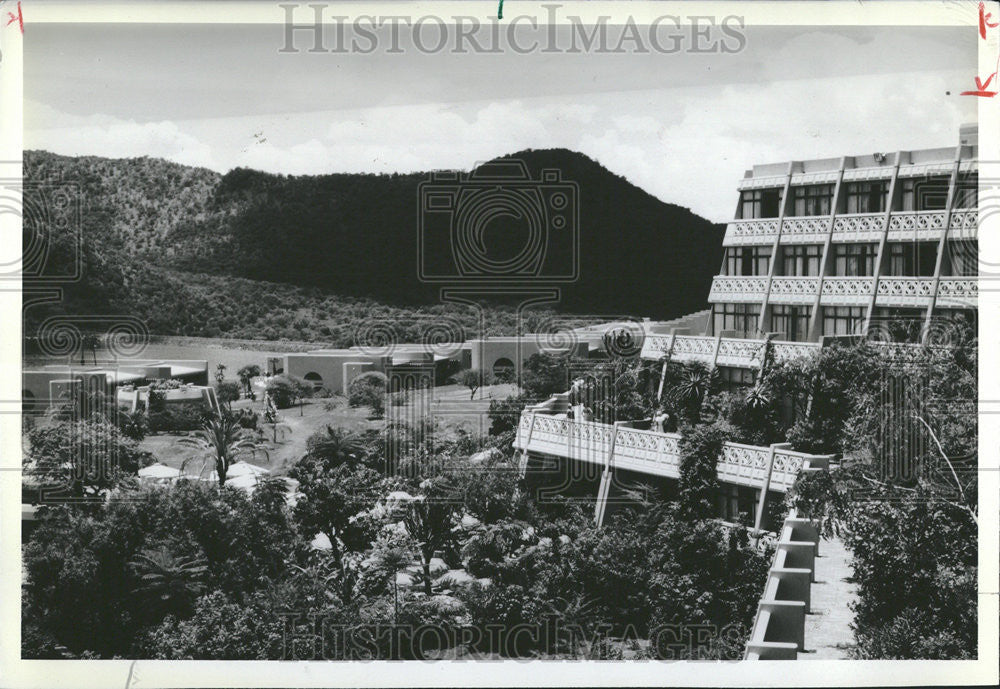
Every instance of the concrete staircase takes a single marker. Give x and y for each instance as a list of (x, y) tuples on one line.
[(694, 323)]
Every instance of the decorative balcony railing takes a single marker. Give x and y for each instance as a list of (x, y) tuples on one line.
[(740, 353), (847, 291), (656, 453), (958, 292), (731, 288), (693, 348), (964, 224), (914, 292), (858, 227), (793, 290), (751, 232), (782, 350), (854, 227), (916, 226), (805, 229), (655, 347)]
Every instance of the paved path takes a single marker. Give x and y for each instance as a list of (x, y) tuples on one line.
[(828, 633)]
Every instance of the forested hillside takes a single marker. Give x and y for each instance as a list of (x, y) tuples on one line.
[(251, 254)]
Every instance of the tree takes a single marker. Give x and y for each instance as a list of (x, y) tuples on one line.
[(220, 373), (331, 498), (700, 449), (223, 441), (246, 375), (336, 446), (505, 414), (286, 390), (133, 424), (545, 375), (429, 520), (689, 388), (82, 458), (168, 580), (472, 379), (369, 390), (228, 392)]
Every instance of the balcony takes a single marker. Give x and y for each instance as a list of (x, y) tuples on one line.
[(733, 288), (740, 353), (693, 348), (909, 226), (964, 224), (958, 293), (783, 350), (912, 292), (751, 232), (847, 291), (793, 290), (904, 226), (655, 453), (858, 227), (805, 229)]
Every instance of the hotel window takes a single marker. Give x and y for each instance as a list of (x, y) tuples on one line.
[(961, 258), (912, 259), (734, 376), (814, 199), (800, 260), (867, 197), (854, 259), (739, 317), (760, 203), (924, 193), (967, 191), (747, 260), (793, 321), (843, 320)]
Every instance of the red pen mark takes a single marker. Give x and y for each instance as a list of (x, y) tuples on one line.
[(984, 20), (19, 19), (981, 88)]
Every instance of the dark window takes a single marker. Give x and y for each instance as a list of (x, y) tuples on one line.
[(760, 203), (912, 259), (734, 376), (800, 260), (867, 197), (747, 260), (967, 191), (742, 318), (924, 193), (793, 321), (843, 320), (854, 259), (814, 199)]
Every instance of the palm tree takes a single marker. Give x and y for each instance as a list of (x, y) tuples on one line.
[(392, 560), (89, 342), (223, 440), (692, 388), (336, 446), (171, 580), (246, 375)]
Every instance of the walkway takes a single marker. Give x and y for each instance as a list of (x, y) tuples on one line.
[(828, 632)]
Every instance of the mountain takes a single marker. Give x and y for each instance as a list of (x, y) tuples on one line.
[(151, 224)]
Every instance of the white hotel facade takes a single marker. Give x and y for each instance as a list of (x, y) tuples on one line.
[(836, 247)]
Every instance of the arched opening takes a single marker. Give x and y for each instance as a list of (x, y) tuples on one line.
[(314, 378), (503, 370), (27, 402)]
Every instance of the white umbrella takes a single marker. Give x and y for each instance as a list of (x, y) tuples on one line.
[(246, 482), (245, 469), (157, 471)]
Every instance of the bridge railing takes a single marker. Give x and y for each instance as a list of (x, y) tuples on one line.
[(656, 453)]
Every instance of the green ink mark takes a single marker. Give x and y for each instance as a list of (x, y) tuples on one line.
[(500, 10)]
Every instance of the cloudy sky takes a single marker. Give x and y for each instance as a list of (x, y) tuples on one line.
[(682, 126)]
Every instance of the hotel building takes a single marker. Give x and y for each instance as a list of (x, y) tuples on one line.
[(848, 246)]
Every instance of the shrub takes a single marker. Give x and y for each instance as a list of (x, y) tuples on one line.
[(700, 448), (368, 390)]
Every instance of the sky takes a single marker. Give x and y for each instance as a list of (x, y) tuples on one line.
[(682, 126)]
